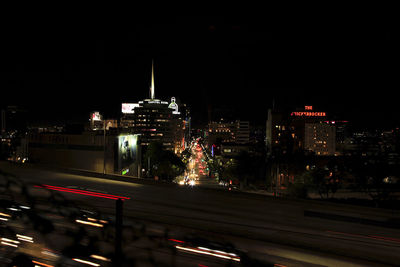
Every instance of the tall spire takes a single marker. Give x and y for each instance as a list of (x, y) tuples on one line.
[(152, 80)]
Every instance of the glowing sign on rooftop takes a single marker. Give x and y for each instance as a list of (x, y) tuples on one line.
[(308, 114)]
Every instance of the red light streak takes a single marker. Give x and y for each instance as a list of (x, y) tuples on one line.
[(383, 238), (386, 238), (175, 240), (81, 192)]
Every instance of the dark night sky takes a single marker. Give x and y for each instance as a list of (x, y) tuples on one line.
[(344, 64)]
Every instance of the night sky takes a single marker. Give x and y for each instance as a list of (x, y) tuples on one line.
[(344, 64)]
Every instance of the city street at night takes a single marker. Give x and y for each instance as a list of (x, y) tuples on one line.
[(243, 139), (197, 172)]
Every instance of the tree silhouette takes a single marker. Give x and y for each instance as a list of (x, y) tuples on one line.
[(163, 163)]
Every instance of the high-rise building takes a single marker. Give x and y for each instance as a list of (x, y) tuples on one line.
[(157, 120)]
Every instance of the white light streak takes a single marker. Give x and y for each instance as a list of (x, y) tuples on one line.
[(86, 262), (98, 257), (200, 251), (26, 240), (9, 244), (24, 237), (89, 223), (13, 209), (10, 240)]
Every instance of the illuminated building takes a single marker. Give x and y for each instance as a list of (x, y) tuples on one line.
[(299, 130), (221, 132), (242, 134), (320, 138), (228, 138), (157, 120), (96, 122)]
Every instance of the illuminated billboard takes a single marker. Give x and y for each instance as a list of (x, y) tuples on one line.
[(127, 150), (128, 108), (95, 116)]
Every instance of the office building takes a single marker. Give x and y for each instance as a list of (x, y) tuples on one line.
[(157, 120)]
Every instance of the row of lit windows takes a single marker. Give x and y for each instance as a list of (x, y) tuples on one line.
[(220, 131), (144, 124), (157, 120)]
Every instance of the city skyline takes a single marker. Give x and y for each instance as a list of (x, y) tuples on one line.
[(342, 67), (194, 140)]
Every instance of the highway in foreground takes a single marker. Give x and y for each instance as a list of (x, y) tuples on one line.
[(267, 229)]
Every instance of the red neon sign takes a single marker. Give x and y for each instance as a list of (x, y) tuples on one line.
[(308, 107), (308, 114)]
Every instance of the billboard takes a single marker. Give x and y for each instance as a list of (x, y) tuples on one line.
[(95, 116), (128, 108), (127, 150)]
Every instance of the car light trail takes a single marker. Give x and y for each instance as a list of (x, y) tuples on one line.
[(10, 240), (81, 192), (49, 252), (89, 223), (41, 264), (86, 262), (210, 252), (382, 238), (98, 257), (4, 214), (9, 244), (176, 240), (25, 238), (13, 209)]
